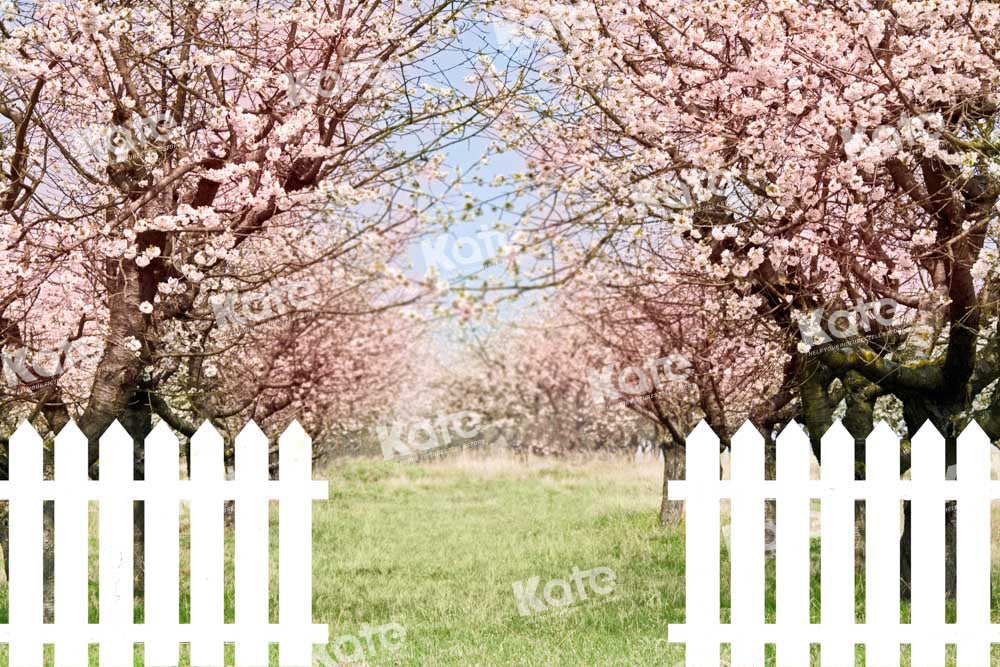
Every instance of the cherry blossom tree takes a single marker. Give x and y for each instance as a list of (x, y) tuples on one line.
[(277, 143), (713, 371), (159, 158), (526, 376), (786, 158)]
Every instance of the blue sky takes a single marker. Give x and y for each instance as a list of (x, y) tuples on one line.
[(487, 201)]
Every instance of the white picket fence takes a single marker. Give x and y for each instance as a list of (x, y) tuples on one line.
[(162, 491), (882, 490)]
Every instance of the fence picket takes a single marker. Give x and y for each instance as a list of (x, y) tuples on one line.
[(115, 518), (294, 540), (837, 553), (927, 547), (702, 547), (838, 633), (882, 545), (71, 546), (792, 546), (251, 549), (25, 525), (162, 546), (747, 542), (974, 557), (116, 634), (207, 548)]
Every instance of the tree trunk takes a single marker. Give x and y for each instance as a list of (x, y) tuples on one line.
[(671, 511), (950, 532), (905, 580), (138, 422), (5, 526), (950, 552), (4, 540), (770, 505), (48, 561)]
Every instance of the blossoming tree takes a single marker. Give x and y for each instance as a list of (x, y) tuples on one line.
[(789, 160), (158, 159)]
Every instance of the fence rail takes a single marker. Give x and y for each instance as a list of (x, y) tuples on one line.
[(162, 490), (882, 490)]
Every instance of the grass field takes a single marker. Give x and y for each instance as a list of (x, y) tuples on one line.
[(436, 547)]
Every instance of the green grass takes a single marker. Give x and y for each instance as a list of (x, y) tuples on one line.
[(436, 547)]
